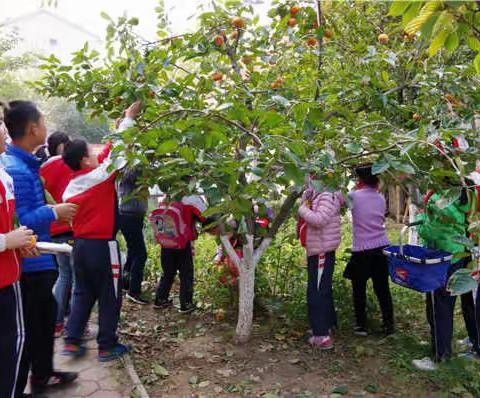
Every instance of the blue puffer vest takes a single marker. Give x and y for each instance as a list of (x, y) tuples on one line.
[(31, 207)]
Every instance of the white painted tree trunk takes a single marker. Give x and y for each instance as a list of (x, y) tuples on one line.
[(246, 266), (246, 298)]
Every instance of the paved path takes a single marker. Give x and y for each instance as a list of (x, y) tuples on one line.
[(95, 380)]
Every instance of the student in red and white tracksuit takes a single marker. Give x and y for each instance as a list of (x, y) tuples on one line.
[(95, 252), (12, 333)]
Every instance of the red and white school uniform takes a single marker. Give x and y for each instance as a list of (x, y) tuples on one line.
[(12, 332)]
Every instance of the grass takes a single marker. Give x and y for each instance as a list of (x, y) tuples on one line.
[(281, 309)]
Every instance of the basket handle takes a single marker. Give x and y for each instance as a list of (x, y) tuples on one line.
[(404, 230)]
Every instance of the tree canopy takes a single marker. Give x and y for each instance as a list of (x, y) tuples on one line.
[(248, 109)]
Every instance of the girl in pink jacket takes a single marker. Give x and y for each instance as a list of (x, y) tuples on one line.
[(321, 213)]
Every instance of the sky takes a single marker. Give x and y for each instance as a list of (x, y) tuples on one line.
[(87, 12)]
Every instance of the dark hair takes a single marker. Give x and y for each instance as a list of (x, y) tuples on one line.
[(74, 152), (364, 174), (54, 140), (17, 114)]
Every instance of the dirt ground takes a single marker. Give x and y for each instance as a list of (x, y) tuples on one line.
[(193, 356)]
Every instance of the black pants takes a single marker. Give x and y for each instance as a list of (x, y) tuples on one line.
[(471, 313), (174, 260), (97, 278), (132, 229), (12, 338), (39, 311), (321, 310), (363, 266), (440, 307)]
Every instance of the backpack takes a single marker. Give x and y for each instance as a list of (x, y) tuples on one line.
[(302, 231), (169, 227), (302, 228)]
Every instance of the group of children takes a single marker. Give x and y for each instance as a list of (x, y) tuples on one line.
[(321, 213), (321, 235), (60, 200), (78, 178)]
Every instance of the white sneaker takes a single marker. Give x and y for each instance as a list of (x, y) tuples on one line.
[(469, 356), (465, 343), (424, 364)]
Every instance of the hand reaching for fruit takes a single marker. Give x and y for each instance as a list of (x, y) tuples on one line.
[(19, 238), (133, 110)]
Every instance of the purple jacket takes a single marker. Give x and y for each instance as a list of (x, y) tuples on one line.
[(324, 232), (368, 218)]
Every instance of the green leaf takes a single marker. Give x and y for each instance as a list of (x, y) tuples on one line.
[(461, 282), (404, 167), (278, 99), (452, 41), (168, 146), (186, 153), (380, 167), (450, 196), (372, 388), (398, 7), (342, 390), (133, 21), (427, 11), (160, 371), (317, 186), (476, 63), (104, 15), (293, 173), (353, 147), (473, 43), (437, 42)]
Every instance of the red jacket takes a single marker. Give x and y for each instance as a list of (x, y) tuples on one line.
[(93, 190), (56, 176), (9, 259)]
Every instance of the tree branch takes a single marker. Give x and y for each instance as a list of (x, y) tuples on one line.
[(320, 49), (231, 55), (376, 151), (211, 114), (283, 213)]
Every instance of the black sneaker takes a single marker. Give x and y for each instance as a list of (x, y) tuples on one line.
[(360, 331), (187, 308), (388, 330), (126, 282), (137, 298), (162, 304), (57, 379)]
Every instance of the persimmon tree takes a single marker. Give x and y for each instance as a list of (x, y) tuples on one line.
[(246, 110)]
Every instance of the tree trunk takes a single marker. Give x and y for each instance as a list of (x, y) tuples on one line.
[(245, 302)]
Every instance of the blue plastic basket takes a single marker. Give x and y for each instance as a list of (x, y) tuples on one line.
[(418, 268)]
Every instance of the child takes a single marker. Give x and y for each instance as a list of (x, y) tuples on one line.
[(95, 251), (321, 213), (56, 175), (11, 315), (440, 226), (181, 259), (369, 240), (26, 127)]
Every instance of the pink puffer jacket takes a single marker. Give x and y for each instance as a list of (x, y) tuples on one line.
[(323, 222)]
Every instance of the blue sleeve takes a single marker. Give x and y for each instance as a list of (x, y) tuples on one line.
[(35, 219)]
